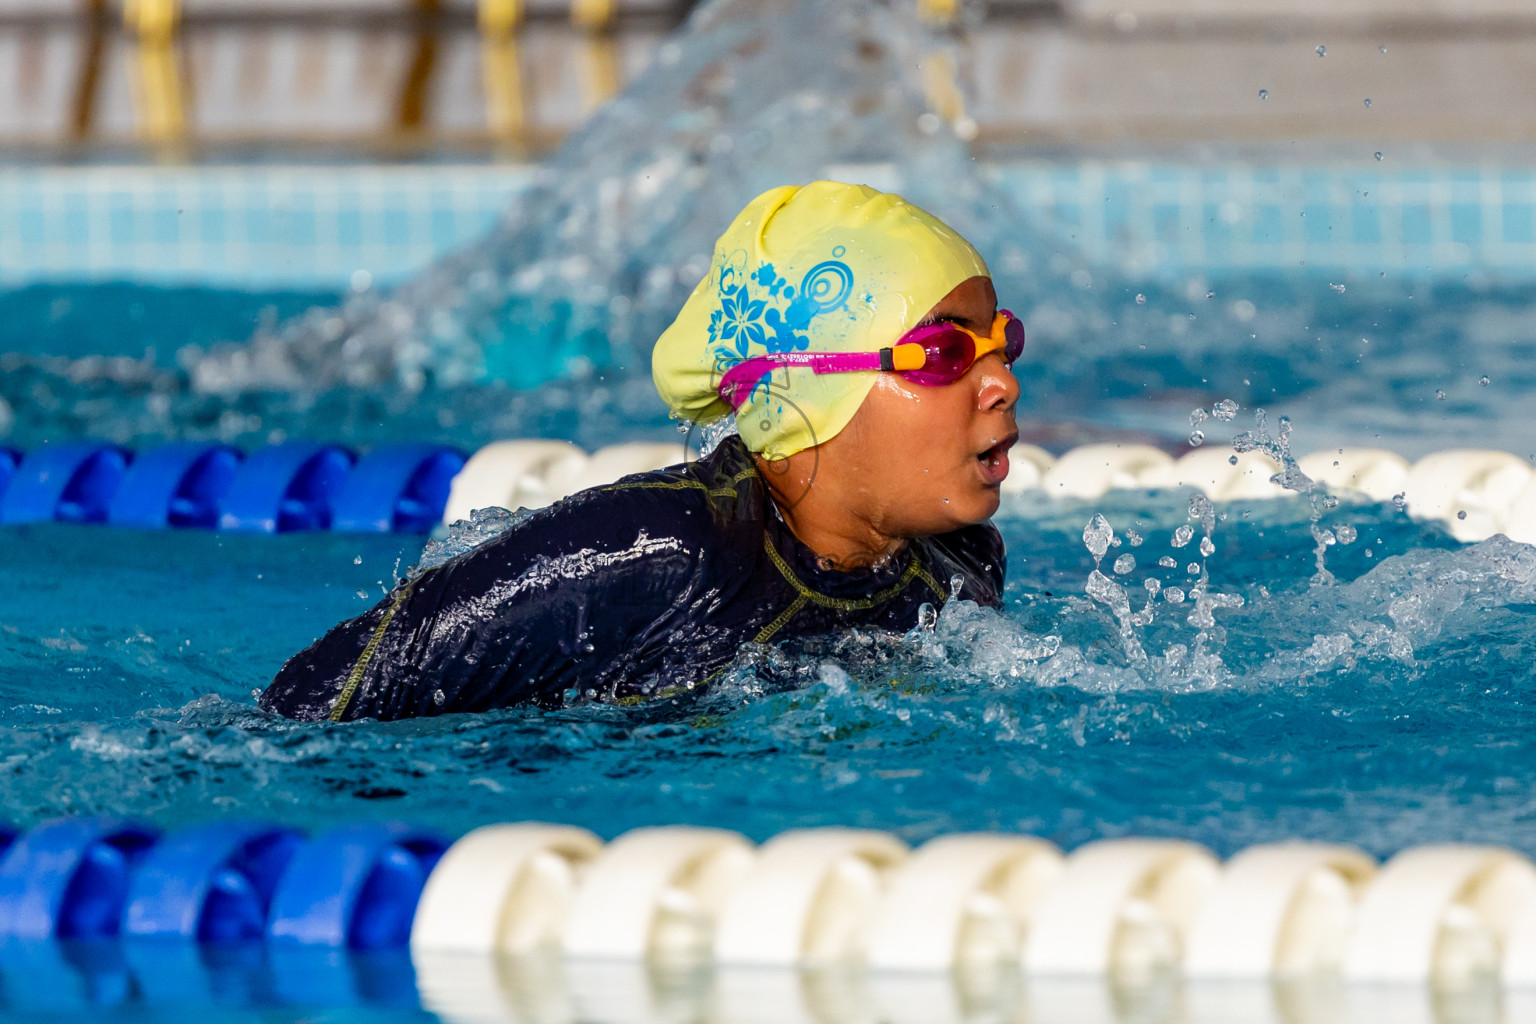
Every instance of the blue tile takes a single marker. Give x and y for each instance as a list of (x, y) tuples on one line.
[(1418, 228), (1467, 223), (1519, 223), (349, 227), (1364, 225), (1268, 223), (1317, 225)]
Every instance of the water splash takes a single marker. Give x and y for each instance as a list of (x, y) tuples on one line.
[(593, 260), (1291, 477)]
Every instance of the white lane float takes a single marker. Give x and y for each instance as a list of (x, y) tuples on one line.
[(1027, 467), (503, 889), (1122, 907), (1282, 910), (511, 475), (1439, 913), (657, 893), (1092, 469), (809, 899), (1374, 472), (1471, 490), (1476, 493), (1224, 475), (961, 900)]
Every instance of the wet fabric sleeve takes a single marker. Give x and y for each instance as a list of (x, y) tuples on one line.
[(583, 595), (978, 553)]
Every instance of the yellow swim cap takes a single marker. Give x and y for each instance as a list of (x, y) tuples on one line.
[(825, 267)]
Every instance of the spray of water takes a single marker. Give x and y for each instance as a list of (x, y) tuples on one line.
[(593, 261)]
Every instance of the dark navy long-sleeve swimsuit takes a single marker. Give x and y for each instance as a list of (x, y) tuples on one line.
[(642, 588)]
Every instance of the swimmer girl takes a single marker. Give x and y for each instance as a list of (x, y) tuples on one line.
[(858, 342)]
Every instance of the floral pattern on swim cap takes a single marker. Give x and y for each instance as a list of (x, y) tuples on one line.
[(826, 267)]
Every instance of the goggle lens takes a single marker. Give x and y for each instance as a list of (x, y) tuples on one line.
[(1013, 338)]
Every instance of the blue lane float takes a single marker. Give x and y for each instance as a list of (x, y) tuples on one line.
[(213, 883), (355, 887), (176, 485), (300, 485), (399, 488), (71, 482), (68, 879), (286, 488), (9, 460)]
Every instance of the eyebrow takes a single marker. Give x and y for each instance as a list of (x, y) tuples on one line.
[(947, 318)]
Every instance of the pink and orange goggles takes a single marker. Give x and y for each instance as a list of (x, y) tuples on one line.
[(931, 355)]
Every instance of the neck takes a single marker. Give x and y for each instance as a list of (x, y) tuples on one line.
[(829, 519)]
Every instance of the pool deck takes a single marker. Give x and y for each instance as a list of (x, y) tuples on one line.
[(375, 77)]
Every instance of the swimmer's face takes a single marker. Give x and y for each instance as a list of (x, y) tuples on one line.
[(931, 459)]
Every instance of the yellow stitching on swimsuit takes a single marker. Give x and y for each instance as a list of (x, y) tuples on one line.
[(766, 633), (355, 677), (670, 691), (927, 577), (726, 491), (841, 604)]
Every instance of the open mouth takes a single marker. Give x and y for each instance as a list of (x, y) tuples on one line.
[(994, 461)]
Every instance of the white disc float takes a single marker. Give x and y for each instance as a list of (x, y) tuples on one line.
[(656, 893), (1122, 907), (809, 898), (1284, 909), (961, 899)]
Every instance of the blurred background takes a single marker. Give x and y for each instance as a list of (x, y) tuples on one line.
[(298, 143)]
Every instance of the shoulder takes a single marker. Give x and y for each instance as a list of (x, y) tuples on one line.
[(979, 552), (675, 515)]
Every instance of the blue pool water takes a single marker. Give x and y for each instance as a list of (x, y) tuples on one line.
[(1389, 706)]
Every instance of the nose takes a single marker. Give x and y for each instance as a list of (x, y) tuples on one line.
[(997, 389)]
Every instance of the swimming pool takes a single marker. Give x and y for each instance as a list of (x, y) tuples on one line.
[(1375, 306)]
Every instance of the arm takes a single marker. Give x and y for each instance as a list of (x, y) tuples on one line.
[(568, 599)]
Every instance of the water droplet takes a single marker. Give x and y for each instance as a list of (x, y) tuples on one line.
[(1134, 538), (362, 594), (1193, 568), (1336, 287), (1167, 562), (1367, 101), (1378, 154), (1183, 535), (1124, 564), (1483, 381), (1400, 499), (1097, 535), (1141, 300), (1346, 533), (1225, 410), (956, 583), (1232, 460), (1196, 438), (1322, 51), (438, 697), (1440, 394), (1381, 49), (1462, 514), (927, 616), (1206, 547), (1263, 94), (358, 560), (1173, 595), (1153, 585)]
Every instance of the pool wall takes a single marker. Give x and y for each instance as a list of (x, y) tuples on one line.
[(330, 226)]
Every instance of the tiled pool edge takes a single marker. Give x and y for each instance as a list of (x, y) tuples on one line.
[(279, 226)]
